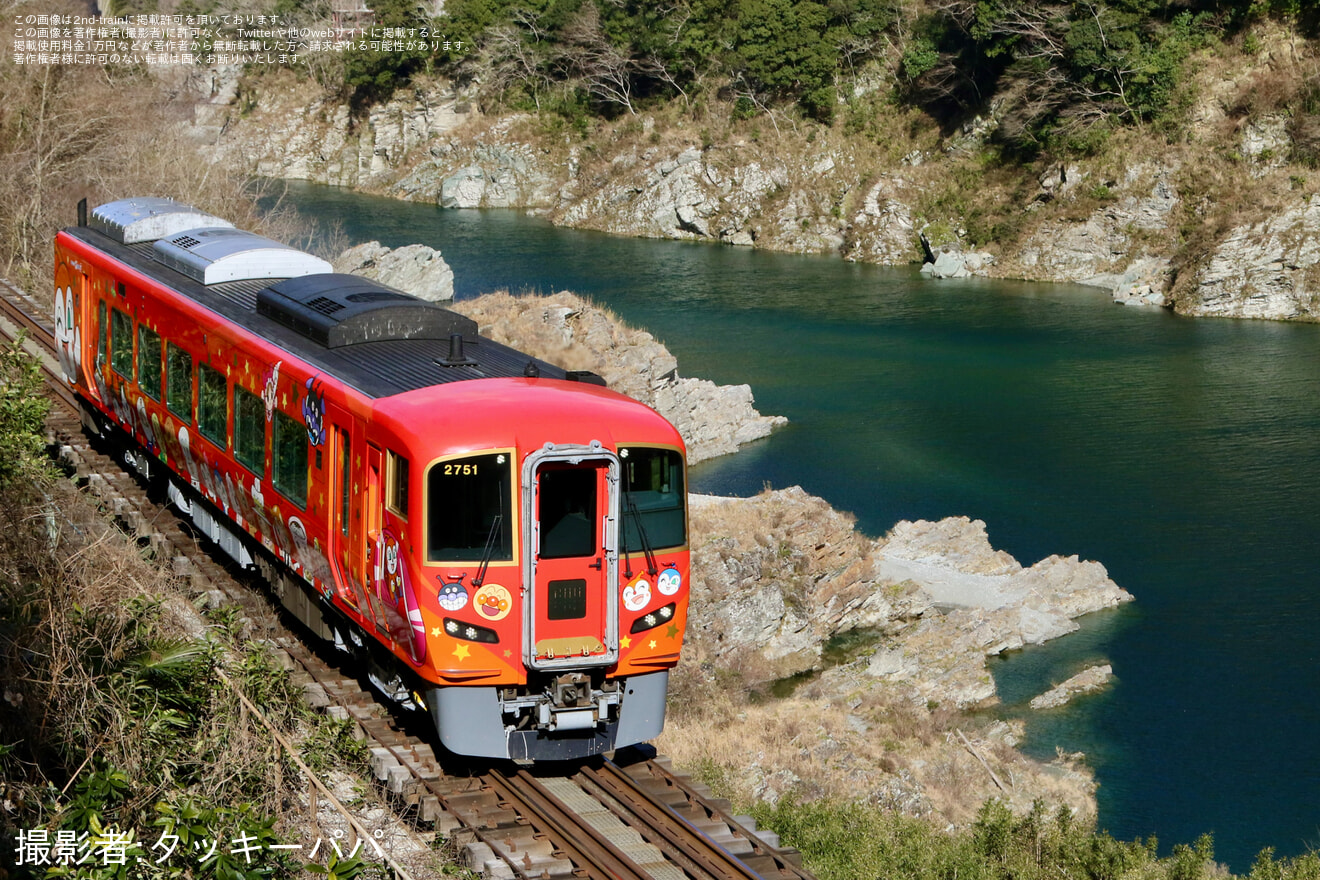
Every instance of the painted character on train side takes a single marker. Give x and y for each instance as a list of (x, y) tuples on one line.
[(314, 412), (68, 336)]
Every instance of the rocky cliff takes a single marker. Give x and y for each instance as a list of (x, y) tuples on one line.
[(567, 330), (890, 638), (1267, 269), (288, 127), (778, 576), (415, 268)]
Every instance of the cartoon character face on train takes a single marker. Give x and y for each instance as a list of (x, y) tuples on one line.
[(68, 336)]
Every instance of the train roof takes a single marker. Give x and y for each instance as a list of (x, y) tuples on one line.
[(380, 341), (524, 413)]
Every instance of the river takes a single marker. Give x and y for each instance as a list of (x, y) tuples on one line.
[(1181, 453)]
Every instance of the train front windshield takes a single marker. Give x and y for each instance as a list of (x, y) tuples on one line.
[(468, 506), (653, 498)]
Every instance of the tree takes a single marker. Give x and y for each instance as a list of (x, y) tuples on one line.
[(374, 74)]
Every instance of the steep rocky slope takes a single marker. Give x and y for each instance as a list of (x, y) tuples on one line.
[(567, 330), (1221, 223), (778, 576), (781, 581)]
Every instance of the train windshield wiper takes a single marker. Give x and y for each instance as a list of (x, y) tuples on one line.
[(489, 551), (651, 568)]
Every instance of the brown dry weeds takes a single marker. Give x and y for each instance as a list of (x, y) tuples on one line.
[(877, 748), (69, 132)]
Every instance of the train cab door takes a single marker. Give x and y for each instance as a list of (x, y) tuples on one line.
[(352, 549), (381, 553), (571, 494), (372, 501)]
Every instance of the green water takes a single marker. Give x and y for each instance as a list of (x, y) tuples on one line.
[(1183, 454)]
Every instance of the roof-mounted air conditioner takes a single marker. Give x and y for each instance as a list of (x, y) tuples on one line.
[(130, 221), (213, 255)]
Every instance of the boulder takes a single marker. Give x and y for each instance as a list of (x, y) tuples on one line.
[(1088, 681), (1142, 283), (567, 330), (415, 269)]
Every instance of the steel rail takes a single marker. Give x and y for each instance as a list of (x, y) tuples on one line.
[(785, 865), (666, 828), (596, 855)]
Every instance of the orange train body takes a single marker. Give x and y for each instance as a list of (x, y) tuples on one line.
[(497, 540)]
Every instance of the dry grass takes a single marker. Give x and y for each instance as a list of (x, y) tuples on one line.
[(107, 626), (74, 131), (877, 747)]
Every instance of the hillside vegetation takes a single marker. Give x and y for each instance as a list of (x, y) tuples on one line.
[(1062, 74), (1166, 151)]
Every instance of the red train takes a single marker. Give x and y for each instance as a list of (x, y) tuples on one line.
[(500, 541)]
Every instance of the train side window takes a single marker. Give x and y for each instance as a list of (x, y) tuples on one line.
[(148, 361), (178, 381), (121, 343), (250, 431), (212, 404), (289, 458), (102, 335), (396, 496)]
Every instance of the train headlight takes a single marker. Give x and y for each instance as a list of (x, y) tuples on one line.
[(654, 619), (470, 632)]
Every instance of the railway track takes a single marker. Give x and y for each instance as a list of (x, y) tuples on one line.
[(632, 818)]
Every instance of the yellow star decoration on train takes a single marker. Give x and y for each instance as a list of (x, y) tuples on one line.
[(461, 652), (507, 653), (625, 642), (652, 644), (435, 631)]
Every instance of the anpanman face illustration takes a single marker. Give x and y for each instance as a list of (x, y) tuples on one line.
[(492, 602)]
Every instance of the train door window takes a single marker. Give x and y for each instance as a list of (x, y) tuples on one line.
[(148, 361), (102, 335), (396, 482), (568, 513), (121, 343), (178, 381), (345, 480), (250, 431), (289, 458), (212, 404)]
